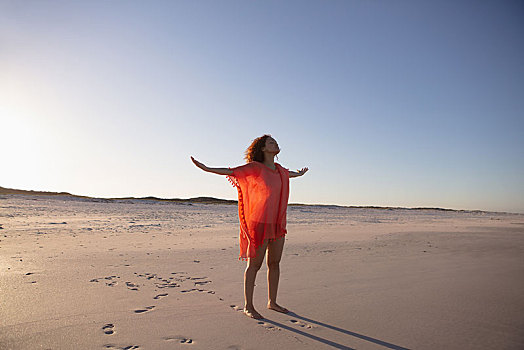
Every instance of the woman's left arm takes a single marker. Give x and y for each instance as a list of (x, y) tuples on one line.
[(299, 173)]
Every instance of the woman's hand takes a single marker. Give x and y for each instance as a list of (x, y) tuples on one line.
[(198, 164), (303, 171), (298, 173)]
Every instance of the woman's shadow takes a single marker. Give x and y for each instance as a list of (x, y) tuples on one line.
[(326, 341)]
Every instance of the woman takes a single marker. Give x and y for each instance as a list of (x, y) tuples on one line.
[(263, 191)]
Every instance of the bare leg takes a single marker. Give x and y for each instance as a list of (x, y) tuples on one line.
[(253, 265), (274, 254)]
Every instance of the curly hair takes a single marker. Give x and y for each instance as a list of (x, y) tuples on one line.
[(254, 151)]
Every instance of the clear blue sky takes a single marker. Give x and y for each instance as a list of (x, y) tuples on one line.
[(389, 103)]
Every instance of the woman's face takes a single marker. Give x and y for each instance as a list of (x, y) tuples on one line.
[(271, 146)]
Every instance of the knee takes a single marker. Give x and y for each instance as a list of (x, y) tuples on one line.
[(253, 268)]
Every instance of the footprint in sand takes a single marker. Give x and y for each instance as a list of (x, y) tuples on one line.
[(146, 309), (109, 329), (191, 290), (268, 326), (132, 286), (167, 285), (237, 308), (160, 296), (180, 339), (118, 347), (109, 278), (201, 283), (301, 324)]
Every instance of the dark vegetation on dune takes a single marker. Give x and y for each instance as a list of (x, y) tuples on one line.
[(206, 200)]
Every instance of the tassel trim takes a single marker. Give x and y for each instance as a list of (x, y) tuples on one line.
[(241, 214)]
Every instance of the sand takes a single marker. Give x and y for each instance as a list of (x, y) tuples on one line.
[(92, 274)]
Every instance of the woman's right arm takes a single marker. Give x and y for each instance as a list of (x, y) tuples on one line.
[(219, 171)]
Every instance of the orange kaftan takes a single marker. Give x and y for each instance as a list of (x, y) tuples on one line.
[(262, 204)]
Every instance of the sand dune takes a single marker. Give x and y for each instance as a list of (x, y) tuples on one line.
[(135, 274)]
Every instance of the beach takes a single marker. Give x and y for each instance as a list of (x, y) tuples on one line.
[(145, 274)]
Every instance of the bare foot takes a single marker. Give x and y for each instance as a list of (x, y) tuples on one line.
[(276, 307), (252, 313)]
